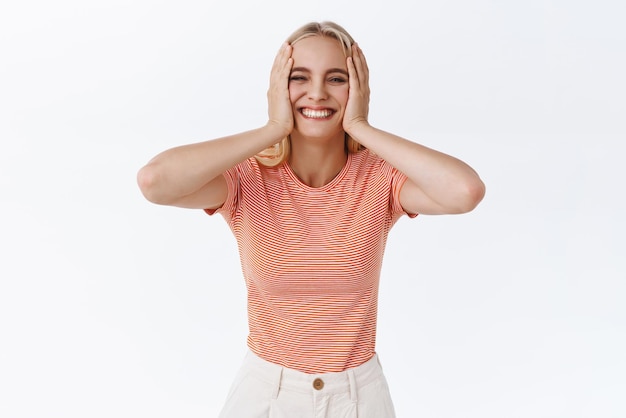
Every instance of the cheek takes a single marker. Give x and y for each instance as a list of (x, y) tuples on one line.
[(342, 96), (295, 92)]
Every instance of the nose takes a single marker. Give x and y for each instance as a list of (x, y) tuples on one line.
[(317, 90)]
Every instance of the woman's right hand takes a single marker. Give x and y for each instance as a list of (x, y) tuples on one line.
[(279, 106)]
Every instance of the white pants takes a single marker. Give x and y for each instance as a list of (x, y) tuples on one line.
[(267, 390)]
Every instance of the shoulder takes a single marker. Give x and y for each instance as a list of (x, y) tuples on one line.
[(249, 168), (367, 161)]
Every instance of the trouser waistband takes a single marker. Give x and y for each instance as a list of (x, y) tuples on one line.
[(283, 378)]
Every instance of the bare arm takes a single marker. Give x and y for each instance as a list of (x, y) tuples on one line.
[(437, 183), (191, 175)]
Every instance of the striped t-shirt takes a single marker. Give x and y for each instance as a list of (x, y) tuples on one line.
[(311, 258)]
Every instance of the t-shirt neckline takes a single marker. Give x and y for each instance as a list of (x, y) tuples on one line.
[(337, 179)]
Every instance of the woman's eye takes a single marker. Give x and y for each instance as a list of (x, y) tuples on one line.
[(337, 80), (297, 78)]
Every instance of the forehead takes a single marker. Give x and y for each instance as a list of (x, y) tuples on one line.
[(318, 52)]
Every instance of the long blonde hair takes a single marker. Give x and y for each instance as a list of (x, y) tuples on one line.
[(280, 151)]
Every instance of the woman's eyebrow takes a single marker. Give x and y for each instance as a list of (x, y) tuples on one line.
[(301, 69), (330, 70), (337, 70)]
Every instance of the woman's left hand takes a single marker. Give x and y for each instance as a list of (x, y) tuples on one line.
[(357, 107)]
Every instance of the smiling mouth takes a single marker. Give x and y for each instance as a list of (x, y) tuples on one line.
[(316, 114)]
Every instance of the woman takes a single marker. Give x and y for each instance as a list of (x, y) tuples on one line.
[(310, 198)]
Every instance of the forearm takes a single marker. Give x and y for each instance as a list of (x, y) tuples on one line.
[(183, 170), (446, 180)]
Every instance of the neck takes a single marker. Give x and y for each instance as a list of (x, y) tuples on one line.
[(317, 163)]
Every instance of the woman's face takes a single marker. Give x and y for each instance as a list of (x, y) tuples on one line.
[(318, 86)]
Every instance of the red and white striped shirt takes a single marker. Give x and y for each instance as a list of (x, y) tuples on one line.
[(312, 257)]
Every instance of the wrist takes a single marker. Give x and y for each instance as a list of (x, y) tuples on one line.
[(276, 130), (359, 130)]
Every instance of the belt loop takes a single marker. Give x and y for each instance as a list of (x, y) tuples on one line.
[(278, 379), (353, 388)]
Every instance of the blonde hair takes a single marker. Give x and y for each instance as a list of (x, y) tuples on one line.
[(279, 152)]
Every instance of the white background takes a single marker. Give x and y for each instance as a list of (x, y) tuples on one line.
[(113, 307)]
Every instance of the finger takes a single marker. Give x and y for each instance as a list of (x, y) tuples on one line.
[(356, 61), (360, 66), (353, 76), (287, 65), (285, 54), (366, 70), (282, 57), (278, 57), (282, 70)]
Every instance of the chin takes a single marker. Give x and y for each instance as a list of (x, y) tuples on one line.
[(321, 131), (313, 133)]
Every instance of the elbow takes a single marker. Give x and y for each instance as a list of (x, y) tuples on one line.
[(472, 194), (147, 180)]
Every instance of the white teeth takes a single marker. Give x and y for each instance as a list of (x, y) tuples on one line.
[(317, 114)]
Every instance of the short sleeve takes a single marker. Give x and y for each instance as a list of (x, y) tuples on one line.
[(397, 181), (227, 210)]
